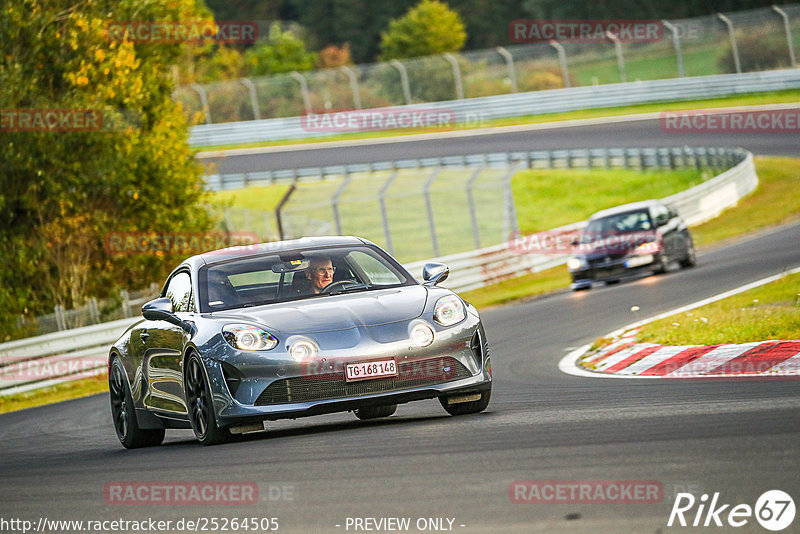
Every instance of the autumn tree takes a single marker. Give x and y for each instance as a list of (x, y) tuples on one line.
[(429, 28), (63, 190)]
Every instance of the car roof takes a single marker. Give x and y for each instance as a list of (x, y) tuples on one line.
[(244, 251), (633, 206)]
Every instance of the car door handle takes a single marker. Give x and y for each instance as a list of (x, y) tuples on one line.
[(143, 336)]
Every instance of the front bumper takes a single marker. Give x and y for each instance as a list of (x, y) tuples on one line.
[(274, 387), (603, 271)]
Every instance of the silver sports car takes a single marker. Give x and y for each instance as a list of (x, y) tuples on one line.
[(246, 335)]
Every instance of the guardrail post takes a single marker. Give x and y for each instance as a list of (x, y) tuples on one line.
[(510, 223), (732, 37), (126, 303), (607, 157), (620, 60), (353, 85), (787, 28), (456, 75), (403, 80), (335, 201), (94, 312), (676, 41), (279, 207), (61, 322), (429, 208), (512, 73), (642, 159), (203, 101), (384, 214), (473, 216), (251, 88), (303, 89), (562, 58)]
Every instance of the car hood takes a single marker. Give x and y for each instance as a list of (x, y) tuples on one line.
[(339, 312)]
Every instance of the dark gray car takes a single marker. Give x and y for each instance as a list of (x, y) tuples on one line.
[(239, 337), (627, 240)]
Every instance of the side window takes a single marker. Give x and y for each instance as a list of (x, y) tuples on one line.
[(179, 291)]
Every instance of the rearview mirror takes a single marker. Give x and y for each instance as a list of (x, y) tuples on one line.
[(434, 273), (161, 309)]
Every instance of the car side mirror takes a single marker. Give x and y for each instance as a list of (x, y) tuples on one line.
[(161, 309), (434, 273)]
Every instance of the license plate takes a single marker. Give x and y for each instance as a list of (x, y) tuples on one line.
[(366, 370), (638, 261)]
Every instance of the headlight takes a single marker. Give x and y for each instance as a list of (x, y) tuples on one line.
[(422, 334), (573, 264), (449, 311), (648, 248), (303, 351), (248, 337)]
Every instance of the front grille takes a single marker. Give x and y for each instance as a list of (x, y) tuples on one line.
[(334, 386)]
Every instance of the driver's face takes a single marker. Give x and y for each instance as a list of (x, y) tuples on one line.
[(320, 273)]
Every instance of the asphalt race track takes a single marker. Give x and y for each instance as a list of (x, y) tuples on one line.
[(737, 437), (638, 133)]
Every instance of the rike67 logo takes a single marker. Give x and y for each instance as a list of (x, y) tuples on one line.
[(774, 510)]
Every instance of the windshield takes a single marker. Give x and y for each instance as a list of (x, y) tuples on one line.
[(297, 275), (623, 223)]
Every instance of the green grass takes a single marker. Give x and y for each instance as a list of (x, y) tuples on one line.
[(778, 97), (548, 199), (768, 312), (776, 201), (522, 287), (52, 394), (643, 64)]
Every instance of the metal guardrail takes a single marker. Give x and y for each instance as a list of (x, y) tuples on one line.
[(32, 363), (474, 110)]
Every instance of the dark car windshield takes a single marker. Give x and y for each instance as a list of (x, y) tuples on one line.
[(613, 225), (290, 275)]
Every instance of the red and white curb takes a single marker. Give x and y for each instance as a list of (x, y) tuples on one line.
[(626, 358)]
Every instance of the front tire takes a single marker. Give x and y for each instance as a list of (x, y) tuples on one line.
[(123, 412), (374, 412), (464, 408), (200, 404), (691, 257)]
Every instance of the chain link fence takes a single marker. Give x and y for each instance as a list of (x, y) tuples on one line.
[(431, 207), (748, 41), (94, 311)]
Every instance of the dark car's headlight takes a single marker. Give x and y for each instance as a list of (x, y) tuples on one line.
[(574, 264), (449, 310), (248, 337)]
